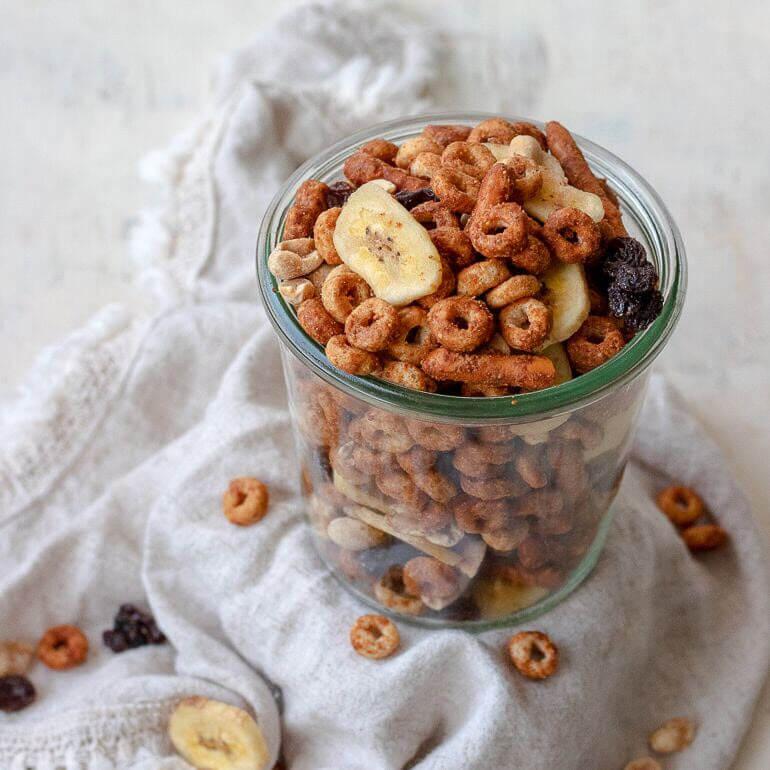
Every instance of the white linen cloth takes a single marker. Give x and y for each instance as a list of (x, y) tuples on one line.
[(113, 463)]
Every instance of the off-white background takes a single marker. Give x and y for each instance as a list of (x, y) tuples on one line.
[(679, 90)]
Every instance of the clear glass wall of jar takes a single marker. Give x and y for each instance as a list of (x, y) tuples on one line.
[(492, 509)]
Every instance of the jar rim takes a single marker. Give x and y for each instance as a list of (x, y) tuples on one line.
[(638, 200)]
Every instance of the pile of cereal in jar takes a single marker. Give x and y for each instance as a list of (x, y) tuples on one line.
[(470, 261), (474, 261)]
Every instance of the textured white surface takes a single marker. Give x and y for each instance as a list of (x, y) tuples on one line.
[(678, 93)]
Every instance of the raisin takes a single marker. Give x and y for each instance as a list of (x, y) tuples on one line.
[(410, 199), (132, 628), (622, 251), (115, 640), (16, 693), (631, 282), (636, 279), (645, 312), (338, 193)]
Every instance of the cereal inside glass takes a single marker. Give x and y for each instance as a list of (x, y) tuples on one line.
[(464, 504)]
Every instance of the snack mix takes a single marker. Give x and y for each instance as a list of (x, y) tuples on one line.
[(471, 261)]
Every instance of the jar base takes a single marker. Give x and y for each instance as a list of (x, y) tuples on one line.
[(578, 575)]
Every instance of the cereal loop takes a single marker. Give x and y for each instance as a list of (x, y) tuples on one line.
[(492, 489), (411, 148), (515, 288), (494, 130), (477, 517), (533, 654), (432, 215), (471, 159), (704, 537), (342, 291), (435, 484), (497, 186), (461, 324), (391, 592), (595, 343), (477, 453), (317, 322), (372, 325), (529, 467), (383, 431), (309, 202), (374, 636), (481, 277), (425, 165), (417, 459), (399, 485), (369, 460), (437, 437), (444, 135), (534, 258), (672, 736), (413, 340), (456, 190), (245, 502), (454, 245), (430, 579), (498, 231), (525, 323), (408, 376), (349, 358), (682, 505), (323, 233), (508, 539), (572, 235), (381, 149), (63, 647)]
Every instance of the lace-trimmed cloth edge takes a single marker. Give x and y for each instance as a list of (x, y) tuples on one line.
[(102, 737)]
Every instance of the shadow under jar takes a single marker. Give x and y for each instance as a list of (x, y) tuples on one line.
[(493, 508)]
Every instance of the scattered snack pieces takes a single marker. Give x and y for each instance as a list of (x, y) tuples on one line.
[(217, 736), (15, 658), (475, 225), (16, 693), (391, 592), (63, 647), (374, 636), (132, 628), (672, 736), (643, 763), (683, 506), (704, 537), (245, 502), (534, 654)]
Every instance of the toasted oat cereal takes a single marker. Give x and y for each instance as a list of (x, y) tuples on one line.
[(245, 501), (533, 654), (682, 505), (672, 736), (374, 636), (63, 647)]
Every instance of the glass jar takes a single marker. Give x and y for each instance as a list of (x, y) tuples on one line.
[(493, 509)]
